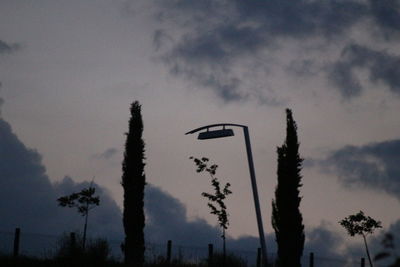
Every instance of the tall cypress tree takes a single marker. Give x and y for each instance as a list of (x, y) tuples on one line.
[(133, 183), (286, 217)]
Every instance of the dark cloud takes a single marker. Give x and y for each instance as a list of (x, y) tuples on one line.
[(6, 48), (342, 77), (221, 38), (166, 219), (387, 15), (382, 67), (160, 38), (107, 154), (374, 166), (27, 196), (323, 241)]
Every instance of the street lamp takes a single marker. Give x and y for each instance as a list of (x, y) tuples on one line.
[(208, 134)]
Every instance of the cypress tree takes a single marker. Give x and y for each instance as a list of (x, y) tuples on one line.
[(287, 220), (133, 183)]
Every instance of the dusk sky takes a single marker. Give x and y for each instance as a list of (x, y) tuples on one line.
[(69, 71)]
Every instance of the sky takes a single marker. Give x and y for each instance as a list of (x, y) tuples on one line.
[(69, 71)]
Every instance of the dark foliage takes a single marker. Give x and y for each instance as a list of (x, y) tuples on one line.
[(133, 183), (230, 260), (219, 195), (71, 253), (359, 224), (286, 217)]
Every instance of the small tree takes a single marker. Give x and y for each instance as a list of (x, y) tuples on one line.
[(84, 201), (216, 200), (359, 224)]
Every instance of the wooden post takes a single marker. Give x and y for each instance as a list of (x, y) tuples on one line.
[(16, 242), (72, 243), (258, 257), (311, 259), (362, 262), (72, 238), (210, 254), (169, 248)]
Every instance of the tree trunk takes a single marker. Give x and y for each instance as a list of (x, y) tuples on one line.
[(85, 227), (224, 246), (366, 248)]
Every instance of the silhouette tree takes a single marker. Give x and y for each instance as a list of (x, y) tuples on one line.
[(133, 183), (287, 220), (84, 201), (215, 201), (359, 224)]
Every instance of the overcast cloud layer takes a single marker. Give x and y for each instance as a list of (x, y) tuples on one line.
[(223, 44), (70, 70)]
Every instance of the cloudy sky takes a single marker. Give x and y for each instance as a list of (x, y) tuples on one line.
[(70, 69)]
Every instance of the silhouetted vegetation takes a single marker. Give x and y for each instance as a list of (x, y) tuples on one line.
[(229, 259), (84, 201), (69, 253), (215, 201), (359, 224), (96, 253), (133, 183), (287, 220), (97, 256)]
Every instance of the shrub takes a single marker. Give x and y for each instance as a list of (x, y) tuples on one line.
[(71, 252)]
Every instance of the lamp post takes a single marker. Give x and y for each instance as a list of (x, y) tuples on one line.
[(229, 132)]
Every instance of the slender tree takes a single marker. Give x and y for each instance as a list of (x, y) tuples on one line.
[(359, 224), (84, 201), (133, 183), (286, 217), (216, 201)]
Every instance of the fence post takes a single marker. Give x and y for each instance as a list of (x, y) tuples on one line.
[(72, 242), (16, 241), (169, 248), (258, 257), (210, 253), (362, 262), (311, 259)]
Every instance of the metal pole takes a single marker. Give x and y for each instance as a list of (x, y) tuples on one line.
[(255, 196)]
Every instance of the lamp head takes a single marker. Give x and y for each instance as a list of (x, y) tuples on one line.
[(215, 134)]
